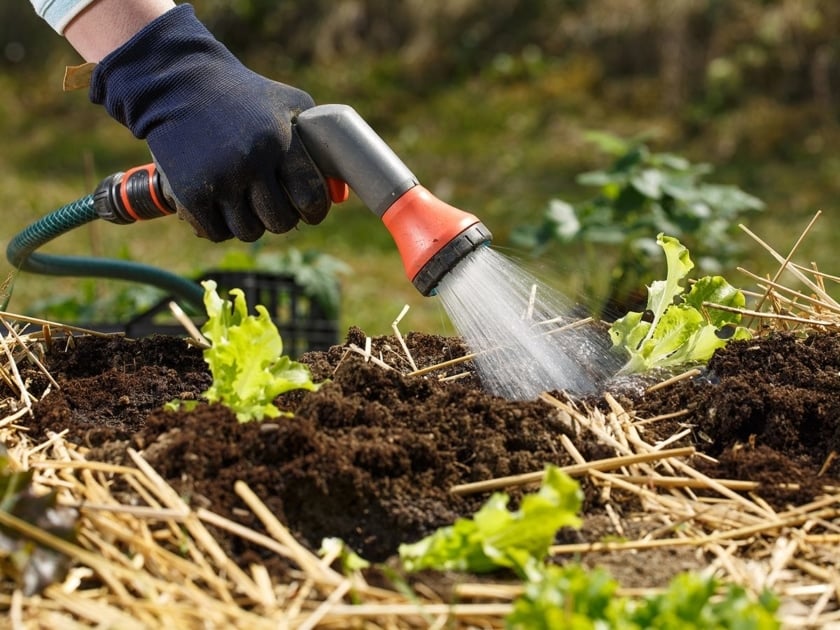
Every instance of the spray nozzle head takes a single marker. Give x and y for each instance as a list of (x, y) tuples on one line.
[(431, 236)]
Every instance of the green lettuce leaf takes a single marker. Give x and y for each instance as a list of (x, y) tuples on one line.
[(246, 358), (570, 596), (677, 328), (497, 537)]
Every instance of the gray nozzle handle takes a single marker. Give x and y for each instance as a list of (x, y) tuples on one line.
[(344, 147)]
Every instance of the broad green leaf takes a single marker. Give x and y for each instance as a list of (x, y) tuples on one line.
[(569, 596), (565, 597), (693, 602), (565, 219), (649, 183), (629, 331), (716, 290), (662, 294), (729, 199), (497, 537), (679, 186), (673, 332)]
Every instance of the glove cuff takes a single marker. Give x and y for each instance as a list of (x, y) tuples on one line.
[(161, 73)]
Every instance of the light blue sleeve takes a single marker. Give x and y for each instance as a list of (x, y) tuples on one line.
[(58, 13)]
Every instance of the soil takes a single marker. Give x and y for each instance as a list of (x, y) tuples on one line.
[(371, 457)]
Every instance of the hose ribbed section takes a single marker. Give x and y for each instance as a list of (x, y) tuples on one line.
[(21, 254)]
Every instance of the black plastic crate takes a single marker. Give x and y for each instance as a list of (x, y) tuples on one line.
[(303, 322)]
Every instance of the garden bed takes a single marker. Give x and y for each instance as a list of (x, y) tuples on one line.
[(193, 516)]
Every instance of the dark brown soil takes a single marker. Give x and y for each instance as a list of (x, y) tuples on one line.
[(370, 458)]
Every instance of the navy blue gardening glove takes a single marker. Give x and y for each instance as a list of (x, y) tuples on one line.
[(220, 134)]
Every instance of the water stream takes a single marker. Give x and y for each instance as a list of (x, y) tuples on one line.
[(525, 340)]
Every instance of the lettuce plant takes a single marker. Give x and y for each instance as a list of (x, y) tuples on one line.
[(496, 537), (246, 358), (571, 596), (677, 327)]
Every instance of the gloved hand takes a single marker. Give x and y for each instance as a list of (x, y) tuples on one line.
[(220, 133)]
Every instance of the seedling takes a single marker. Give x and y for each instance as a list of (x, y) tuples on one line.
[(570, 596), (496, 537), (678, 327), (246, 358)]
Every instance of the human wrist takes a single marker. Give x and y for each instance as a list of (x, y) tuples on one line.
[(105, 25), (171, 63)]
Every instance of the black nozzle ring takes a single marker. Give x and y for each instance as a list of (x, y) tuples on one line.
[(445, 260)]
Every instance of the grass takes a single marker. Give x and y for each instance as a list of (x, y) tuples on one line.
[(498, 146)]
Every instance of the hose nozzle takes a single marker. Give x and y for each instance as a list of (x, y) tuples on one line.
[(431, 236)]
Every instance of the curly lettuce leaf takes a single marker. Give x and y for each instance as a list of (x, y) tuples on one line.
[(677, 328), (246, 358), (570, 596), (496, 537)]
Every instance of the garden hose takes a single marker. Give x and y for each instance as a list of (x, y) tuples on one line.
[(432, 237), (21, 251)]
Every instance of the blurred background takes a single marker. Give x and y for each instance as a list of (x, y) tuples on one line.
[(494, 108)]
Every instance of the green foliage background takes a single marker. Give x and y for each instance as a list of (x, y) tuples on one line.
[(489, 104)]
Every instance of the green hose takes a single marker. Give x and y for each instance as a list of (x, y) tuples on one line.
[(22, 255)]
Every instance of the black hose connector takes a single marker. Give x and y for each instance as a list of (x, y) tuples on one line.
[(135, 195)]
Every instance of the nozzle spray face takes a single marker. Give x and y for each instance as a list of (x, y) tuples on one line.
[(431, 236), (445, 260)]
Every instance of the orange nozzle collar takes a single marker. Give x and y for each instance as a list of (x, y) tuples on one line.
[(421, 224)]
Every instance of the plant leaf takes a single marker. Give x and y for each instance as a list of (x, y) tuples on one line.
[(649, 183), (246, 358), (682, 332), (496, 537), (34, 567), (571, 597)]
